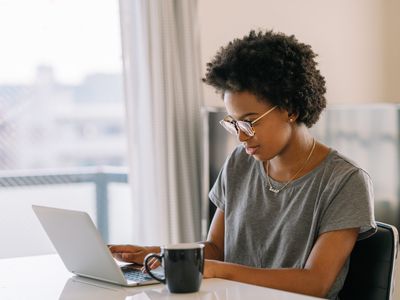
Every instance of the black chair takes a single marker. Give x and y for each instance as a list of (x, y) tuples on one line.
[(372, 266)]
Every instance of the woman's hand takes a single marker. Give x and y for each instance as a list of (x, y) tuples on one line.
[(210, 267), (131, 253)]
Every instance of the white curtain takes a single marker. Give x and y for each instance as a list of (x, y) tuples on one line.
[(163, 100)]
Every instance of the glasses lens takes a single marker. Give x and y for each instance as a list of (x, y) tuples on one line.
[(229, 126), (246, 128)]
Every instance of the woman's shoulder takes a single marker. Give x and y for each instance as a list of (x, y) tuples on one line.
[(341, 161), (340, 167)]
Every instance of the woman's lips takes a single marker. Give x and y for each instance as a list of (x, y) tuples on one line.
[(251, 150)]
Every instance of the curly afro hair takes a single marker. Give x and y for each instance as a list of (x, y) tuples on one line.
[(276, 68)]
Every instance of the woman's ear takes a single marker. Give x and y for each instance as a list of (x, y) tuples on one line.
[(292, 117)]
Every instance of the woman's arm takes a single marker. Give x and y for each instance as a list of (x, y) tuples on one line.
[(322, 267), (214, 246)]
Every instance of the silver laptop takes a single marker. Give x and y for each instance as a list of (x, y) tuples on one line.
[(81, 248)]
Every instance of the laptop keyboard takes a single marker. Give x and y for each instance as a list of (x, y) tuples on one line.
[(133, 272), (136, 275)]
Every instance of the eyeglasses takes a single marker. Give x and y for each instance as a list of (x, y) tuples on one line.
[(233, 126)]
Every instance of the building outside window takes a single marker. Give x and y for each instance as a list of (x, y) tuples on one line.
[(61, 111)]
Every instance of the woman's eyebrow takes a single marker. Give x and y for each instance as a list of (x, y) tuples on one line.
[(244, 116)]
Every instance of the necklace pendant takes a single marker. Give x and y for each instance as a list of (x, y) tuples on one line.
[(274, 190)]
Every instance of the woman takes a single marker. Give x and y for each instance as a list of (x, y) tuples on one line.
[(289, 209)]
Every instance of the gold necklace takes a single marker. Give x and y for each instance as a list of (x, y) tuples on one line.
[(275, 190)]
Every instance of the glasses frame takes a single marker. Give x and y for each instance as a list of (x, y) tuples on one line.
[(233, 126)]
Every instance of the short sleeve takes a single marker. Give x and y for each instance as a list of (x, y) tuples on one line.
[(217, 193), (351, 207)]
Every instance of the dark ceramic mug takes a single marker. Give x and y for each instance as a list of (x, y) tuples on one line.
[(183, 266)]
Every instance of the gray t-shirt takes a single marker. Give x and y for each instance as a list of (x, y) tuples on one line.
[(268, 230)]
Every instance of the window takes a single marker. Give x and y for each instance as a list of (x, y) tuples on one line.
[(61, 93), (61, 109)]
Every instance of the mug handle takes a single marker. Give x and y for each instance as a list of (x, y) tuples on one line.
[(146, 259)]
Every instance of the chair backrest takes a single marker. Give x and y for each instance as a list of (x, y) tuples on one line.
[(372, 266)]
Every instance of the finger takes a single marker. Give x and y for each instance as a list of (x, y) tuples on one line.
[(124, 248), (125, 257), (130, 257), (152, 261), (117, 256), (155, 265)]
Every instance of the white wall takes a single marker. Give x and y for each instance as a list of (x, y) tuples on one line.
[(358, 41)]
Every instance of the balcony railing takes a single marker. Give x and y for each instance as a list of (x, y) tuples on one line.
[(101, 177)]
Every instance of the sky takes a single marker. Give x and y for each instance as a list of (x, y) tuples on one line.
[(75, 37)]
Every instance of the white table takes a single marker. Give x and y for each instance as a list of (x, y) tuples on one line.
[(45, 277)]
